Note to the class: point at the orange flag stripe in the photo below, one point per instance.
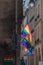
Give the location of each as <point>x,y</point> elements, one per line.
<point>28,28</point>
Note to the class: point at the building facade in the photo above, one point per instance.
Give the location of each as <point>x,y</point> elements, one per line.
<point>24,22</point>
<point>11,15</point>
<point>35,20</point>
<point>19,17</point>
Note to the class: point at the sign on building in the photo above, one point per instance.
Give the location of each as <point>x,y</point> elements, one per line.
<point>8,60</point>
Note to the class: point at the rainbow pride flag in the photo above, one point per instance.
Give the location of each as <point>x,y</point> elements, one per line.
<point>26,30</point>
<point>28,51</point>
<point>8,59</point>
<point>26,43</point>
<point>29,38</point>
<point>27,33</point>
<point>24,33</point>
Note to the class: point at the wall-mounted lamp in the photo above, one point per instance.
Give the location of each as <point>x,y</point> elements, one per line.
<point>32,3</point>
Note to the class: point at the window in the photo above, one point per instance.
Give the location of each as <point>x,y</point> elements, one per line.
<point>33,40</point>
<point>39,56</point>
<point>38,31</point>
<point>35,34</point>
<point>26,62</point>
<point>31,18</point>
<point>36,60</point>
<point>35,19</point>
<point>32,30</point>
<point>36,57</point>
<point>38,51</point>
<point>37,12</point>
<point>38,16</point>
<point>38,9</point>
<point>42,49</point>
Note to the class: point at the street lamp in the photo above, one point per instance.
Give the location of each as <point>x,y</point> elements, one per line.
<point>32,3</point>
